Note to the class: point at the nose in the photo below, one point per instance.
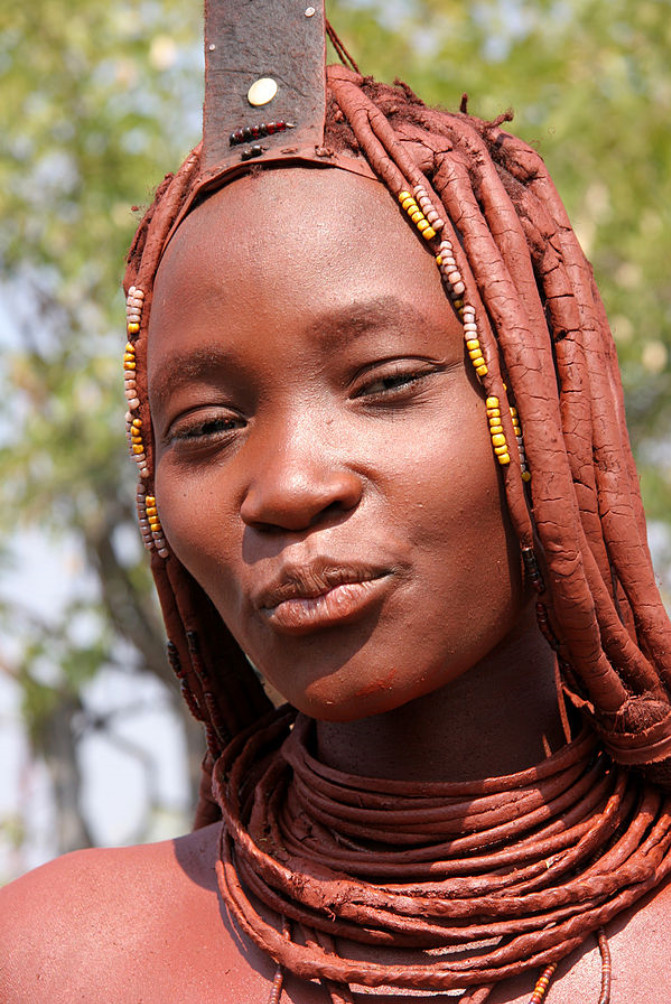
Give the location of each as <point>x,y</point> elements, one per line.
<point>298,481</point>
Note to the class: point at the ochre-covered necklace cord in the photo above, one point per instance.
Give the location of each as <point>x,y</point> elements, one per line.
<point>471,883</point>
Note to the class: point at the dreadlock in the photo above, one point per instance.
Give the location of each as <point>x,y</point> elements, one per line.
<point>547,363</point>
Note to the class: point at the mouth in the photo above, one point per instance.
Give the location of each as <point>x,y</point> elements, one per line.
<point>315,597</point>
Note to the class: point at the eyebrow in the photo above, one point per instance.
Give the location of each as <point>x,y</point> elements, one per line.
<point>347,323</point>
<point>335,328</point>
<point>185,366</point>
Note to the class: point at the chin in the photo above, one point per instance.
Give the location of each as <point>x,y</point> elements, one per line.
<point>333,700</point>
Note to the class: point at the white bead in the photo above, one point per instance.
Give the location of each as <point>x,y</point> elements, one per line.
<point>262,91</point>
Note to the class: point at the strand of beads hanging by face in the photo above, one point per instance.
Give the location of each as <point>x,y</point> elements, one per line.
<point>150,526</point>
<point>423,214</point>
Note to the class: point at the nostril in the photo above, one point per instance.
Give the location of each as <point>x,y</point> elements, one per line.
<point>279,503</point>
<point>332,510</point>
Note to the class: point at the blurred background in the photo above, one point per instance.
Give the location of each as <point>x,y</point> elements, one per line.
<point>97,102</point>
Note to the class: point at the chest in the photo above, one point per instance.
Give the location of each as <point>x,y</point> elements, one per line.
<point>221,966</point>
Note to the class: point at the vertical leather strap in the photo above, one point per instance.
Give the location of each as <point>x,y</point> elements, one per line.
<point>281,43</point>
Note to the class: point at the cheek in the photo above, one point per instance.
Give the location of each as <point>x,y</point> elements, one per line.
<point>200,525</point>
<point>461,533</point>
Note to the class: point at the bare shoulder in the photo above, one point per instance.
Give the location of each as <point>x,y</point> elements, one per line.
<point>115,911</point>
<point>135,924</point>
<point>640,949</point>
<point>638,941</point>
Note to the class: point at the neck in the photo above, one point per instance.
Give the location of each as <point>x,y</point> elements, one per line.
<point>499,717</point>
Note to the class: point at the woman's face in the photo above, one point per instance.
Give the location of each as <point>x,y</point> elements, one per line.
<point>323,463</point>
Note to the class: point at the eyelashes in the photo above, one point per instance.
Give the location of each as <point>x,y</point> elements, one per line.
<point>389,384</point>
<point>206,427</point>
<point>392,384</point>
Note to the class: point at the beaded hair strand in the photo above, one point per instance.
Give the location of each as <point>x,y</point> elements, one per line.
<point>535,332</point>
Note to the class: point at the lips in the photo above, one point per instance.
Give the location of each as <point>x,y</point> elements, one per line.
<point>320,595</point>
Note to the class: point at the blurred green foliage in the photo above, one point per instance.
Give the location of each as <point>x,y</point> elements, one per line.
<point>99,100</point>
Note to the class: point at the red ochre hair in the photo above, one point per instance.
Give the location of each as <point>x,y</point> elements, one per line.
<point>549,353</point>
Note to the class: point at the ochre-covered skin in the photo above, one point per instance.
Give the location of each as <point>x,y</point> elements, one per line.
<point>374,454</point>
<point>318,487</point>
<point>358,445</point>
<point>144,924</point>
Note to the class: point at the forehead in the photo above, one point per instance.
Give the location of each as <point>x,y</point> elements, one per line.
<point>306,231</point>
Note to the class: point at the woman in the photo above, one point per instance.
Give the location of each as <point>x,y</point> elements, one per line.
<point>379,431</point>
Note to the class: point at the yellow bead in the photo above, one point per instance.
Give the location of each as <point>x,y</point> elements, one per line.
<point>137,449</point>
<point>496,430</point>
<point>428,233</point>
<point>500,450</point>
<point>137,422</point>
<point>129,348</point>
<point>416,216</point>
<point>482,370</point>
<point>492,402</point>
<point>127,365</point>
<point>149,499</point>
<point>478,361</point>
<point>409,205</point>
<point>494,412</point>
<point>151,510</point>
<point>133,328</point>
<point>513,411</point>
<point>526,476</point>
<point>439,260</point>
<point>475,353</point>
<point>472,343</point>
<point>504,458</point>
<point>422,226</point>
<point>498,439</point>
<point>402,196</point>
<point>458,303</point>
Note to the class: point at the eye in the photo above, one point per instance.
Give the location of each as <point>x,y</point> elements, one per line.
<point>396,381</point>
<point>204,426</point>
